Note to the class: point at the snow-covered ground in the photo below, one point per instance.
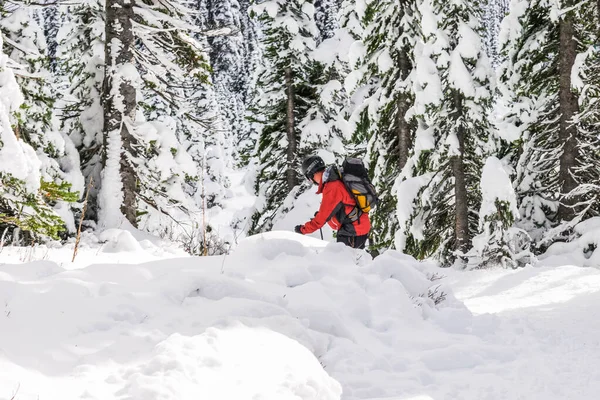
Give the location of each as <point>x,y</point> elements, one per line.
<point>289,317</point>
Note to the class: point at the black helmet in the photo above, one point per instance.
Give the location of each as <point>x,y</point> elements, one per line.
<point>311,165</point>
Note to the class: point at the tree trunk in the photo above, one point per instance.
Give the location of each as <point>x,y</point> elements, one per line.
<point>568,108</point>
<point>460,184</point>
<point>119,104</point>
<point>402,126</point>
<point>598,26</point>
<point>292,179</point>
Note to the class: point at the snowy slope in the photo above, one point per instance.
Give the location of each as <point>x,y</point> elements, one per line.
<point>292,317</point>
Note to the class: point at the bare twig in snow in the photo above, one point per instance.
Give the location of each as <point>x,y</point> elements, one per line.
<point>90,185</point>
<point>14,396</point>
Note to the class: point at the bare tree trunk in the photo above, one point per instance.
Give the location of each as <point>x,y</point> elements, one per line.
<point>460,185</point>
<point>120,97</point>
<point>292,179</point>
<point>568,108</point>
<point>402,126</point>
<point>598,15</point>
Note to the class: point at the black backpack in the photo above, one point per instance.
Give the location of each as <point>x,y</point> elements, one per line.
<point>356,178</point>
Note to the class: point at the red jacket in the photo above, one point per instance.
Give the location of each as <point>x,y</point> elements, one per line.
<point>336,204</point>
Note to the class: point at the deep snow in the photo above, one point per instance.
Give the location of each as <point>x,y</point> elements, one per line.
<point>290,317</point>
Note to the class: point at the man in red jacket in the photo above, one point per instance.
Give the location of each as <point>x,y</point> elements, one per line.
<point>338,206</point>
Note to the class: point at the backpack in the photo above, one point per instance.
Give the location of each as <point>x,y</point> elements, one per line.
<point>356,179</point>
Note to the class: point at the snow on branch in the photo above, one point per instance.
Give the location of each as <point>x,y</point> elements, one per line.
<point>47,3</point>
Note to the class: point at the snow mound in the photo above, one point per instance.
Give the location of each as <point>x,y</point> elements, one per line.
<point>119,241</point>
<point>284,316</point>
<point>224,364</point>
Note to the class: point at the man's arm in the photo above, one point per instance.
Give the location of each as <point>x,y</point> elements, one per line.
<point>329,206</point>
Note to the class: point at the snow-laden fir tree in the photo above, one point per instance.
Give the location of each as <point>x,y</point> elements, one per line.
<point>227,60</point>
<point>24,195</point>
<point>141,119</point>
<point>495,11</point>
<point>553,152</point>
<point>586,80</point>
<point>325,126</point>
<point>246,134</point>
<point>386,71</point>
<point>151,57</point>
<point>351,55</point>
<point>351,14</point>
<point>499,242</point>
<point>180,125</point>
<point>80,73</point>
<point>52,21</point>
<point>36,122</point>
<point>231,58</point>
<point>440,198</point>
<point>285,95</point>
<point>326,17</point>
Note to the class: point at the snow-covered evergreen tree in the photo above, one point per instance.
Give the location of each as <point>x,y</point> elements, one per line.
<point>167,124</point>
<point>351,55</point>
<point>495,12</point>
<point>175,153</point>
<point>553,154</point>
<point>52,21</point>
<point>285,95</point>
<point>36,122</point>
<point>586,80</point>
<point>499,242</point>
<point>325,126</point>
<point>389,39</point>
<point>326,17</point>
<point>80,73</point>
<point>452,101</point>
<point>229,54</point>
<point>246,134</point>
<point>25,197</point>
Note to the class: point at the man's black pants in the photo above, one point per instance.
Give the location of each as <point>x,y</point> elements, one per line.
<point>356,242</point>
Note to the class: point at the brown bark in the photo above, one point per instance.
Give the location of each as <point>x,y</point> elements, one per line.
<point>291,177</point>
<point>119,51</point>
<point>598,15</point>
<point>568,108</point>
<point>460,185</point>
<point>402,127</point>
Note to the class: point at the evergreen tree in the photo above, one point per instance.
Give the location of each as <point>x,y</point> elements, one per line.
<point>246,134</point>
<point>51,24</point>
<point>495,11</point>
<point>351,18</point>
<point>119,176</point>
<point>324,126</point>
<point>351,56</point>
<point>228,54</point>
<point>80,73</point>
<point>452,101</point>
<point>389,39</point>
<point>586,77</point>
<point>180,129</point>
<point>552,151</point>
<point>326,17</point>
<point>162,141</point>
<point>499,242</point>
<point>36,122</point>
<point>146,167</point>
<point>25,198</point>
<point>285,95</point>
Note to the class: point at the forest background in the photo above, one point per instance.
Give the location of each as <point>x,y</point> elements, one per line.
<point>479,121</point>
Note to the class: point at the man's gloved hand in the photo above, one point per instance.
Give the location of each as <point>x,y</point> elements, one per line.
<point>297,229</point>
